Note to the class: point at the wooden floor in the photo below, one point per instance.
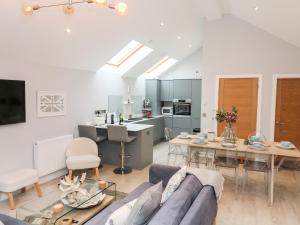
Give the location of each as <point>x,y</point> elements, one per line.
<point>248,207</point>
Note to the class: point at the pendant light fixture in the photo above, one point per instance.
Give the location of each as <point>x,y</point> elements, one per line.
<point>120,8</point>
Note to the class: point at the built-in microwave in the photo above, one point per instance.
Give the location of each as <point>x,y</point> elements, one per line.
<point>182,107</point>
<point>167,111</point>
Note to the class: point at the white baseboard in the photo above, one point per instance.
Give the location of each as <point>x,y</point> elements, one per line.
<point>43,180</point>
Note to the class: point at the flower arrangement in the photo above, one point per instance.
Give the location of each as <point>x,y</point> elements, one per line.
<point>229,135</point>
<point>229,117</point>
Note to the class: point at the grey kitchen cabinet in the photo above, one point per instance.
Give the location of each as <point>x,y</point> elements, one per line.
<point>196,123</point>
<point>184,122</point>
<point>166,87</point>
<point>182,89</point>
<point>168,121</point>
<point>158,131</point>
<point>177,131</point>
<point>196,98</point>
<point>153,92</point>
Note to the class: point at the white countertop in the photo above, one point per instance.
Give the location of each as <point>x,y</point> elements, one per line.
<point>130,127</point>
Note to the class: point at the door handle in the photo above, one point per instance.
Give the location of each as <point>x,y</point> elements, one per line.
<point>279,123</point>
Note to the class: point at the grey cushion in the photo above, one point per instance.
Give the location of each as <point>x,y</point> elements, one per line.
<point>7,220</point>
<point>162,173</point>
<point>101,218</point>
<point>145,206</point>
<point>179,203</point>
<point>204,209</point>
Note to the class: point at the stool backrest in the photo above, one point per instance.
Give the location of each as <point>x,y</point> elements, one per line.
<point>82,146</point>
<point>117,133</point>
<point>88,131</point>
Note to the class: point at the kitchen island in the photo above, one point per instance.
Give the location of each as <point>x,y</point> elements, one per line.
<point>141,149</point>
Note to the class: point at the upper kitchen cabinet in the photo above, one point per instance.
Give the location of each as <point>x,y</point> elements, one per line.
<point>153,92</point>
<point>166,87</point>
<point>182,89</point>
<point>196,98</point>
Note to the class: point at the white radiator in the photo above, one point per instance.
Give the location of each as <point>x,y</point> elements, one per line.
<point>50,154</point>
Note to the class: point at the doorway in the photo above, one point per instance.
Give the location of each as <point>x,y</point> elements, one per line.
<point>287,119</point>
<point>244,94</point>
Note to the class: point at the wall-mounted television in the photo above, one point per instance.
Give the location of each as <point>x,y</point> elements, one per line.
<point>12,102</point>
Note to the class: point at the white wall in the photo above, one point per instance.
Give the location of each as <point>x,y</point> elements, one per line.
<point>85,91</point>
<point>234,47</point>
<point>189,68</point>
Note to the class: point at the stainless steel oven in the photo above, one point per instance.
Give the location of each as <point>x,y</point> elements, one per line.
<point>182,107</point>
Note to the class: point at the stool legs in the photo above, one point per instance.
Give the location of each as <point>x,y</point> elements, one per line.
<point>12,204</point>
<point>123,169</point>
<point>38,189</point>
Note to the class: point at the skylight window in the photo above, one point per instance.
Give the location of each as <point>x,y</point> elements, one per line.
<point>163,65</point>
<point>127,58</point>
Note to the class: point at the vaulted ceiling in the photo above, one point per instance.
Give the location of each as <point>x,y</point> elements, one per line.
<point>98,34</point>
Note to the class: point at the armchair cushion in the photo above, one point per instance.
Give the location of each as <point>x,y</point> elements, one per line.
<point>78,162</point>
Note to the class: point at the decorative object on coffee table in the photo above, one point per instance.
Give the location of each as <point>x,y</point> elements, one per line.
<point>229,134</point>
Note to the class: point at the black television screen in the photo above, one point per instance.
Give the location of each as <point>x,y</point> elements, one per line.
<point>12,102</point>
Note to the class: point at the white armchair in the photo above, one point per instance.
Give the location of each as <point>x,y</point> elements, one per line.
<point>82,153</point>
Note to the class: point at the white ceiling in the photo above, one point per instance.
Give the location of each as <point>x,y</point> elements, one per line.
<point>98,34</point>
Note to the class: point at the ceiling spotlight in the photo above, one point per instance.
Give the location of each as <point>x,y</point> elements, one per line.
<point>162,24</point>
<point>121,9</point>
<point>179,37</point>
<point>256,8</point>
<point>68,30</point>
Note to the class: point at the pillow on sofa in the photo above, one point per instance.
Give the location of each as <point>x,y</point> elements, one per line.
<point>120,216</point>
<point>1,223</point>
<point>145,206</point>
<point>173,184</point>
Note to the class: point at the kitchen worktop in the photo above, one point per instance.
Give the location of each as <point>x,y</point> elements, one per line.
<point>132,127</point>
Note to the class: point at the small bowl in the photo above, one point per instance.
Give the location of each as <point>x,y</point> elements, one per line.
<point>184,134</point>
<point>102,184</point>
<point>285,144</point>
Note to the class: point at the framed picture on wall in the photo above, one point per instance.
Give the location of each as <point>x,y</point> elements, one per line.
<point>51,103</point>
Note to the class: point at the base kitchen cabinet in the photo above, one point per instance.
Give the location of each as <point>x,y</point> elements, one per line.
<point>158,132</point>
<point>168,121</point>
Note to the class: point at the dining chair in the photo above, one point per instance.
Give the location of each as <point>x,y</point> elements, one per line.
<point>174,149</point>
<point>257,163</point>
<point>290,164</point>
<point>228,159</point>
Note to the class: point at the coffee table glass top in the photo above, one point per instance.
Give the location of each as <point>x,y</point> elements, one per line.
<point>39,211</point>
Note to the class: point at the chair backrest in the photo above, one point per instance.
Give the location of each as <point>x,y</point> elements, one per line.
<point>117,133</point>
<point>82,146</point>
<point>88,131</point>
<point>169,134</point>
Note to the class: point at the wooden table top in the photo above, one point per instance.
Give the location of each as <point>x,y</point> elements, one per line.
<point>271,148</point>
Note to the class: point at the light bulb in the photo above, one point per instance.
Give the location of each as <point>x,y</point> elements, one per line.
<point>121,9</point>
<point>28,10</point>
<point>101,3</point>
<point>69,10</point>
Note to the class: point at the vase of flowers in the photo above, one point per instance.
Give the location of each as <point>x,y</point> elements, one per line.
<point>229,135</point>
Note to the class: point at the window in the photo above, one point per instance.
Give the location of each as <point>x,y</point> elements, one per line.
<point>127,58</point>
<point>163,65</point>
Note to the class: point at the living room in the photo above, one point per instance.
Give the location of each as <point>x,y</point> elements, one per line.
<point>152,67</point>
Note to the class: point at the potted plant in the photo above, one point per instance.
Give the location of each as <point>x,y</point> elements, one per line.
<point>229,135</point>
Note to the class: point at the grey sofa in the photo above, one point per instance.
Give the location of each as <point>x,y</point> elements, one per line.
<point>191,204</point>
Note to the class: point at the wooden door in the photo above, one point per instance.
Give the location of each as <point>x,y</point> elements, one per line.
<point>242,93</point>
<point>287,119</point>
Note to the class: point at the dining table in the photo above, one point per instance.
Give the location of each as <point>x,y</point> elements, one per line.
<point>271,149</point>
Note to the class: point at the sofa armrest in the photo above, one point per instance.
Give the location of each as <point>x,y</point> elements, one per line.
<point>163,173</point>
<point>7,220</point>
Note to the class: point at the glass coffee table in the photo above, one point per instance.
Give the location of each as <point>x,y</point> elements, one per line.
<point>40,211</point>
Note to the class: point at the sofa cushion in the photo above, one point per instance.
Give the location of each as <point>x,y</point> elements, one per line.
<point>204,209</point>
<point>119,216</point>
<point>102,217</point>
<point>7,220</point>
<point>173,184</point>
<point>1,223</point>
<point>158,173</point>
<point>145,206</point>
<point>173,211</point>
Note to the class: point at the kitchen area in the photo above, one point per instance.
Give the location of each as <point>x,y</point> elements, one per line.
<point>174,104</point>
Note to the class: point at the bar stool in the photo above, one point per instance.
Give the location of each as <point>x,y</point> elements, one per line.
<point>90,132</point>
<point>119,133</point>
